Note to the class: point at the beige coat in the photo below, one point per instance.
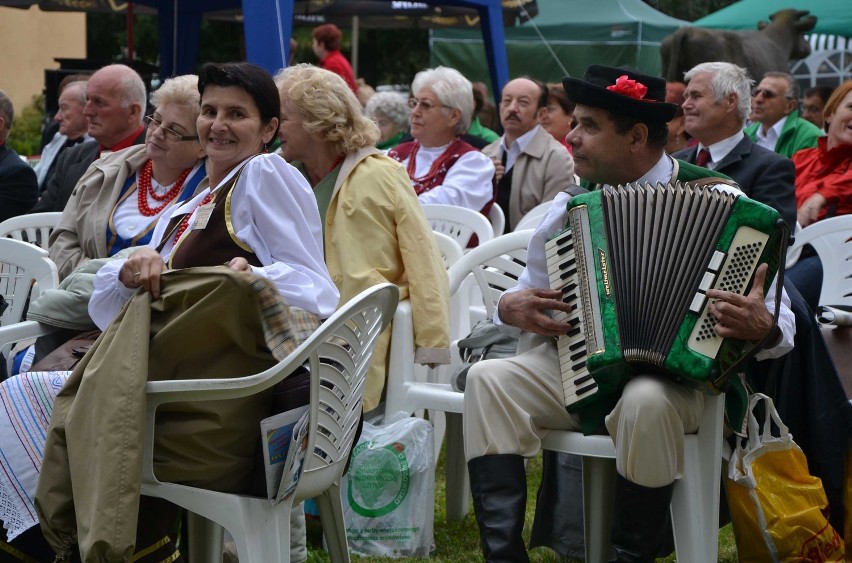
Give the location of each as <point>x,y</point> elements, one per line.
<point>543,169</point>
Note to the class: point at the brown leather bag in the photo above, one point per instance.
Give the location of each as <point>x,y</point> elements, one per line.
<point>67,355</point>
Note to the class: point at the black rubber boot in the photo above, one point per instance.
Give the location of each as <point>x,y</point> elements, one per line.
<point>639,520</point>
<point>498,484</point>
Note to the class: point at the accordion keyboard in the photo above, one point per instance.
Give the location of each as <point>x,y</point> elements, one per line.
<point>566,264</point>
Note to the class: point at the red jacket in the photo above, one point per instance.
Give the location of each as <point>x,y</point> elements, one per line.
<point>337,63</point>
<point>828,172</point>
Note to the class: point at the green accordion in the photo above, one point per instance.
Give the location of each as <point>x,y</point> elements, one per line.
<point>635,263</point>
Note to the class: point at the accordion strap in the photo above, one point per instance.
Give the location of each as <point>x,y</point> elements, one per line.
<point>712,181</point>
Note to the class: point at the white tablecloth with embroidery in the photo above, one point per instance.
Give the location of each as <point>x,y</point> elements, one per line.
<point>27,401</point>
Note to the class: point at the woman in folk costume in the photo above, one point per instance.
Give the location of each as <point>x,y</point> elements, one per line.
<point>442,167</point>
<point>194,317</point>
<point>374,228</point>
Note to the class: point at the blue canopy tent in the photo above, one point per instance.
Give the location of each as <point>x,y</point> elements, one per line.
<point>269,23</point>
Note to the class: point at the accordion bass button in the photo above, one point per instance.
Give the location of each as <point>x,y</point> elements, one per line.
<point>698,303</point>
<point>716,261</point>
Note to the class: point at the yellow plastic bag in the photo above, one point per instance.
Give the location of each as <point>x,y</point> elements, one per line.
<point>777,507</point>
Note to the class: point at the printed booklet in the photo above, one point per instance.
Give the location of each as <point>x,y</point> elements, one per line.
<point>285,440</point>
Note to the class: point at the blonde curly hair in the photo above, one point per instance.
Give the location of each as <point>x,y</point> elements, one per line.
<point>328,107</point>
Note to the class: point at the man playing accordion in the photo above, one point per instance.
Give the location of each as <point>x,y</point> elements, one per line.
<point>619,137</point>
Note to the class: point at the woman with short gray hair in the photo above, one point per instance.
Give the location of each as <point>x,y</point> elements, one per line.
<point>390,112</point>
<point>442,167</point>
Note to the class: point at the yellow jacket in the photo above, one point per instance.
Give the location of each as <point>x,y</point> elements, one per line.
<point>376,232</point>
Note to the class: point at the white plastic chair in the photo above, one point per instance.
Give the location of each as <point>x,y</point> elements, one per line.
<point>494,267</point>
<point>534,216</point>
<point>695,501</point>
<point>25,271</point>
<point>450,250</point>
<point>337,355</point>
<point>459,223</point>
<point>832,240</point>
<point>497,219</point>
<point>34,228</point>
<point>18,332</point>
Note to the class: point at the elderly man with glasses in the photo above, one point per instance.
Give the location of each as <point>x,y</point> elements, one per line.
<point>775,116</point>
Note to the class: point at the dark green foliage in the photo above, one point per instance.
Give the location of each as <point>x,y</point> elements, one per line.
<point>25,137</point>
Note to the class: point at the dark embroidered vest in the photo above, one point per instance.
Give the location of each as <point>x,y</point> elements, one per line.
<point>403,151</point>
<point>217,243</point>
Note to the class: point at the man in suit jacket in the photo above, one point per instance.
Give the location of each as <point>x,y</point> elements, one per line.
<point>18,186</point>
<point>532,167</point>
<point>115,106</point>
<point>73,129</point>
<point>717,103</point>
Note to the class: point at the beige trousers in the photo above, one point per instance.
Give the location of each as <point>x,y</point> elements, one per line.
<point>510,405</point>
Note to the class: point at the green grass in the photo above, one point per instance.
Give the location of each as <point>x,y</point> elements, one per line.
<point>458,542</point>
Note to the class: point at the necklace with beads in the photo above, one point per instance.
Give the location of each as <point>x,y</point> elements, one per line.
<point>436,166</point>
<point>146,187</point>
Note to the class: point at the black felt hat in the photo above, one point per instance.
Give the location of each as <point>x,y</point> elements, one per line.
<point>621,91</point>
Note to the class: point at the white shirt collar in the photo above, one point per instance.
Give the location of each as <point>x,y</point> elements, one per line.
<point>660,173</point>
<point>721,149</point>
<point>514,151</point>
<point>769,139</point>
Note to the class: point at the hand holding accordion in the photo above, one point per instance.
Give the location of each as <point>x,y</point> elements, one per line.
<point>641,267</point>
<point>742,316</point>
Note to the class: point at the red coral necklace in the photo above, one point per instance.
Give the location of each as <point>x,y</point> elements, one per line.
<point>146,187</point>
<point>436,166</point>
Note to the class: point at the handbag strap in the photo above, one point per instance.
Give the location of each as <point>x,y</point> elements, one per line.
<point>764,430</point>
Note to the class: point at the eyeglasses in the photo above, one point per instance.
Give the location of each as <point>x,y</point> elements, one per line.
<point>425,105</point>
<point>768,94</point>
<point>170,134</point>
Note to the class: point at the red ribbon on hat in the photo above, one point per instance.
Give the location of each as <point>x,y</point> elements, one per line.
<point>628,87</point>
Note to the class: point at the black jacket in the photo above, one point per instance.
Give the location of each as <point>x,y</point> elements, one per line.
<point>763,175</point>
<point>18,184</point>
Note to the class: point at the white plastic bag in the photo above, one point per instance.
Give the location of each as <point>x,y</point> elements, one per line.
<point>389,491</point>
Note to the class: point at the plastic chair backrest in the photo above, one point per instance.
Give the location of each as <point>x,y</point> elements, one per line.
<point>494,266</point>
<point>533,216</point>
<point>459,223</point>
<point>25,272</point>
<point>497,219</point>
<point>450,250</point>
<point>832,240</point>
<point>34,228</point>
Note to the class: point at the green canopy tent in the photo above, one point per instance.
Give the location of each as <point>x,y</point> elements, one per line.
<point>576,32</point>
<point>834,17</point>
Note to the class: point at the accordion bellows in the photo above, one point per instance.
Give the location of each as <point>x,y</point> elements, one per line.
<point>636,261</point>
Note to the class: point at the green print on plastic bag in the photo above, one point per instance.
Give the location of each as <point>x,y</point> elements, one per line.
<point>378,479</point>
